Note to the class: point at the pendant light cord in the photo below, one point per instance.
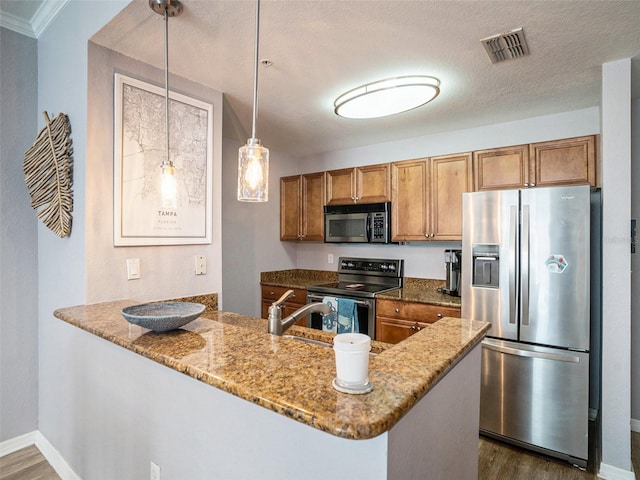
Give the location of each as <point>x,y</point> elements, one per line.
<point>255,71</point>
<point>166,83</point>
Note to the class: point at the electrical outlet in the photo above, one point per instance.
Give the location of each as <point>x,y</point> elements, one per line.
<point>201,265</point>
<point>154,472</point>
<point>133,268</point>
<point>330,258</point>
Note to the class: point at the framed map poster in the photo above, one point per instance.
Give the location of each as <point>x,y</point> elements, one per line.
<point>139,148</point>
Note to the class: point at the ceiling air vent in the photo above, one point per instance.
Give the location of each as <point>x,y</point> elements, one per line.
<point>505,46</point>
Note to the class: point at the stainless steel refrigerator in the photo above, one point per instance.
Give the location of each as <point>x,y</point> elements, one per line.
<point>526,269</point>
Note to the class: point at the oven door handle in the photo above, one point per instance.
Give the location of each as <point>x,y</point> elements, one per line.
<point>320,297</point>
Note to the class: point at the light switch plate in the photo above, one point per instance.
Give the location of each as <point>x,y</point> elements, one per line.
<point>201,265</point>
<point>133,268</point>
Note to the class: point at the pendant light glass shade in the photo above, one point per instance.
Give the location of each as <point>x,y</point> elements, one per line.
<point>387,97</point>
<point>168,186</point>
<point>253,172</point>
<point>253,158</point>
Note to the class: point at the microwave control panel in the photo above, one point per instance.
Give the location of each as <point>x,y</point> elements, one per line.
<point>379,227</point>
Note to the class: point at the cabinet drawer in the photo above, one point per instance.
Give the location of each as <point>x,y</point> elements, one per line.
<point>418,312</point>
<point>272,293</point>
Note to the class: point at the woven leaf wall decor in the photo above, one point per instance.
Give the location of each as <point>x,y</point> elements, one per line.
<point>48,170</point>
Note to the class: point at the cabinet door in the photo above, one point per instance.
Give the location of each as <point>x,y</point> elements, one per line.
<point>564,162</point>
<point>501,168</point>
<point>313,207</point>
<point>341,187</point>
<point>373,184</point>
<point>450,178</point>
<point>391,330</point>
<point>290,212</point>
<point>409,214</point>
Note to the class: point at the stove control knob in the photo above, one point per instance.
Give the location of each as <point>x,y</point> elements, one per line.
<point>384,266</point>
<point>392,267</point>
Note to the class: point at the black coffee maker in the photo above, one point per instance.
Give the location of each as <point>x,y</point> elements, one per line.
<point>453,263</point>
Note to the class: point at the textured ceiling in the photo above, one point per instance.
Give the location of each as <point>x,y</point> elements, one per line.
<point>321,48</point>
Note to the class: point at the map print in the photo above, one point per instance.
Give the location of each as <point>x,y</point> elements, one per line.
<point>142,143</point>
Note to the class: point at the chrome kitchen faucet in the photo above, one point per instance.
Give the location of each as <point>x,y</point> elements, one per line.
<point>279,325</point>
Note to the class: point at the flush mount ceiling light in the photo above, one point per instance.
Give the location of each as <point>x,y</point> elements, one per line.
<point>168,183</point>
<point>253,158</point>
<point>387,97</point>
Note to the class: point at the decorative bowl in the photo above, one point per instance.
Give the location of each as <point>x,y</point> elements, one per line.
<point>162,316</point>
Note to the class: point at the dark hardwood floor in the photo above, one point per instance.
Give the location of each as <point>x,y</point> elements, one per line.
<point>497,461</point>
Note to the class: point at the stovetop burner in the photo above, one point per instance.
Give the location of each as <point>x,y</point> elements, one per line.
<point>362,277</point>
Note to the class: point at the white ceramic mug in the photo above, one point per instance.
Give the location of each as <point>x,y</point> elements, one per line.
<point>352,359</point>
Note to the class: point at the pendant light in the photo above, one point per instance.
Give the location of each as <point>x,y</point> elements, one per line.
<point>253,158</point>
<point>168,182</point>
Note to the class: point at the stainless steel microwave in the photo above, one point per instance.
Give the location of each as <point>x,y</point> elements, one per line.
<point>359,223</point>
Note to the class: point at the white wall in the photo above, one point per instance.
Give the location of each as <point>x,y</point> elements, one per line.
<point>18,239</point>
<point>427,259</point>
<point>616,263</point>
<point>166,271</point>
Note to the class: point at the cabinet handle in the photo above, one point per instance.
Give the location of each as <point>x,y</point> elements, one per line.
<point>533,184</point>
<point>526,184</point>
<point>426,235</point>
<point>272,293</point>
<point>397,310</point>
<point>439,315</point>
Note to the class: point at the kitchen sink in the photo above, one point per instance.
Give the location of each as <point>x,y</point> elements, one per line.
<point>309,340</point>
<point>318,342</point>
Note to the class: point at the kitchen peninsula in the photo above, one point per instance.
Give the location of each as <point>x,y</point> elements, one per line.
<point>420,420</point>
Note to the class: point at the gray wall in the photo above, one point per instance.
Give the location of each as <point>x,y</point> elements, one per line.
<point>18,239</point>
<point>166,271</point>
<point>635,264</point>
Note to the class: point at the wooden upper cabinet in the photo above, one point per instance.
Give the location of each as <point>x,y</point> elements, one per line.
<point>427,198</point>
<point>501,168</point>
<point>409,200</point>
<point>450,178</point>
<point>370,184</point>
<point>290,207</point>
<point>341,186</point>
<point>373,183</point>
<point>564,162</point>
<point>571,161</point>
<point>302,207</point>
<point>312,221</point>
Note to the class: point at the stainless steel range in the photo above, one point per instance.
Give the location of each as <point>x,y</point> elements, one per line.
<point>359,279</point>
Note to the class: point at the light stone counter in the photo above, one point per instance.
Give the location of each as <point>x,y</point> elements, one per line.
<point>234,353</point>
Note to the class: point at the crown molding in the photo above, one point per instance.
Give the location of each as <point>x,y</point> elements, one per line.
<point>38,23</point>
<point>45,15</point>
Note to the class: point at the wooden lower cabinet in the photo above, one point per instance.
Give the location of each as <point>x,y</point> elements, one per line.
<point>397,320</point>
<point>271,293</point>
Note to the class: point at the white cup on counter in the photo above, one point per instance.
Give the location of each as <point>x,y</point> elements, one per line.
<point>352,362</point>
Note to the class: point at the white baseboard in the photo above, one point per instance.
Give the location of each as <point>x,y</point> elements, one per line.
<point>18,443</point>
<point>59,464</point>
<point>635,425</point>
<point>608,472</point>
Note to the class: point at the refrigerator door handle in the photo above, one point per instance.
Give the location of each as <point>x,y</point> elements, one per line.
<point>513,263</point>
<point>524,269</point>
<point>530,354</point>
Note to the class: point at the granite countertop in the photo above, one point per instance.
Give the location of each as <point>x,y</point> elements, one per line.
<point>297,278</point>
<point>235,353</point>
<point>420,290</point>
